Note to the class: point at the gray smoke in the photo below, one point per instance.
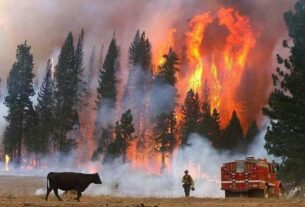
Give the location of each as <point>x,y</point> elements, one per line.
<point>162,98</point>
<point>119,179</point>
<point>48,23</point>
<point>45,24</point>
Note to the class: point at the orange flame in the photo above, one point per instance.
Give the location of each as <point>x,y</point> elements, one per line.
<point>222,68</point>
<point>238,44</point>
<point>222,71</point>
<point>194,40</point>
<point>163,48</point>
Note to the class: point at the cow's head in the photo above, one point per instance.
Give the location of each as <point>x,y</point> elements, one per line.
<point>96,179</point>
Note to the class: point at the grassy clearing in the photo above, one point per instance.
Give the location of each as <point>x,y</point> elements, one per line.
<point>106,201</point>
<point>19,191</point>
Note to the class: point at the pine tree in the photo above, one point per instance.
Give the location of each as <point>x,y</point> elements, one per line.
<point>286,108</point>
<point>124,130</point>
<point>164,131</point>
<point>190,115</point>
<point>91,68</point>
<point>39,136</point>
<point>206,121</point>
<point>139,59</point>
<point>233,134</point>
<point>168,70</point>
<point>65,101</point>
<point>138,83</point>
<point>79,68</point>
<point>107,92</point>
<point>140,51</point>
<point>107,88</point>
<point>20,108</point>
<point>164,136</point>
<point>214,133</point>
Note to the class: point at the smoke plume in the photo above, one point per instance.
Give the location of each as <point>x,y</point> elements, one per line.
<point>199,157</point>
<point>45,24</point>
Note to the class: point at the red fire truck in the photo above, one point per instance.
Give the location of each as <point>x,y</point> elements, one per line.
<point>250,177</point>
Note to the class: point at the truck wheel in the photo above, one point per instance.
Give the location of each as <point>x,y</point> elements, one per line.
<point>228,194</point>
<point>266,192</point>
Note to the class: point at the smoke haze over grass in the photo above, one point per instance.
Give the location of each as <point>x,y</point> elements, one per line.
<point>119,179</point>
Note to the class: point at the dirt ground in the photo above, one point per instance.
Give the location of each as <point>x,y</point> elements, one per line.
<point>20,191</point>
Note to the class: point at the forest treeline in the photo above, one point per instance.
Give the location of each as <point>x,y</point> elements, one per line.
<point>52,123</point>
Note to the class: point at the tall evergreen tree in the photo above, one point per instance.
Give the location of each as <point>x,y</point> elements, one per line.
<point>139,59</point>
<point>214,132</point>
<point>79,68</point>
<point>164,131</point>
<point>138,83</point>
<point>233,134</point>
<point>124,130</point>
<point>39,136</point>
<point>285,137</point>
<point>205,124</point>
<point>190,115</point>
<point>107,88</point>
<point>168,70</point>
<point>140,51</point>
<point>20,108</point>
<point>65,93</point>
<point>107,93</point>
<point>91,68</point>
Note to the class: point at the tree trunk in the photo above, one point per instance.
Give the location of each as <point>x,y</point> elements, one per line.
<point>36,160</point>
<point>124,157</point>
<point>163,166</point>
<point>18,158</point>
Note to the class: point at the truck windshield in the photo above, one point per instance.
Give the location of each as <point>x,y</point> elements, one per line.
<point>240,166</point>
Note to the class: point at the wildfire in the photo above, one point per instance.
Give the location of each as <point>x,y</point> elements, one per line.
<point>194,40</point>
<point>216,87</point>
<point>240,40</point>
<point>163,48</point>
<point>220,63</point>
<point>222,69</point>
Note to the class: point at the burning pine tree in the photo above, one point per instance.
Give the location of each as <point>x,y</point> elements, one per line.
<point>189,88</point>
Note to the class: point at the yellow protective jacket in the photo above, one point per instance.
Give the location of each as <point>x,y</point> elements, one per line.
<point>188,180</point>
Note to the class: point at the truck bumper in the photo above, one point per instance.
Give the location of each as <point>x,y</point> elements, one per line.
<point>240,186</point>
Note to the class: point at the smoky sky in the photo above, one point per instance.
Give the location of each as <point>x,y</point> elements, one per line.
<point>45,24</point>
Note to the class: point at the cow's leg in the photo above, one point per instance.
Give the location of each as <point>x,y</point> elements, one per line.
<point>79,194</point>
<point>56,193</point>
<point>48,192</point>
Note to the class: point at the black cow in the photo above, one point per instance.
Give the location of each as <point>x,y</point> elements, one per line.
<point>70,181</point>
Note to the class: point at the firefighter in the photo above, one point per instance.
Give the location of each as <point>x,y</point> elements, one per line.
<point>188,183</point>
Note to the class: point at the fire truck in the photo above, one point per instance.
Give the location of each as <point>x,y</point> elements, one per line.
<point>250,177</point>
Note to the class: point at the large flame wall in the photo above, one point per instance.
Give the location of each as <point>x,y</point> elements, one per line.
<point>221,60</point>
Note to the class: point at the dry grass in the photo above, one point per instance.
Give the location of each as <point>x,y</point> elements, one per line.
<point>18,191</point>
